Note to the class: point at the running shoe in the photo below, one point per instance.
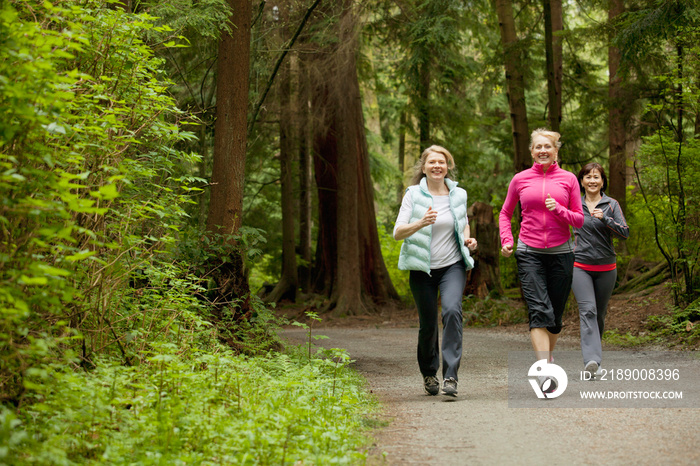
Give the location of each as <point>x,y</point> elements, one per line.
<point>431,385</point>
<point>449,387</point>
<point>591,368</point>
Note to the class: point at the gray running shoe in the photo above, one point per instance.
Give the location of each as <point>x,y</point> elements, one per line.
<point>591,367</point>
<point>449,387</point>
<point>431,385</point>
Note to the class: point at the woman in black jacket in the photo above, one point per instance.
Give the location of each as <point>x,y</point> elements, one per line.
<point>595,268</point>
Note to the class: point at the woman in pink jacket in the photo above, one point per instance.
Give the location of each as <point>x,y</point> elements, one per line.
<point>550,203</point>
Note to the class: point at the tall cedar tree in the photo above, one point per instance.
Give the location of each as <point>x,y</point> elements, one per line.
<point>230,143</point>
<point>287,286</point>
<point>617,133</point>
<point>349,265</point>
<point>515,84</point>
<point>553,25</point>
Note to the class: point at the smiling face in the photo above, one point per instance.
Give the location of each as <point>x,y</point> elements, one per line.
<point>435,167</point>
<point>592,182</point>
<point>543,150</point>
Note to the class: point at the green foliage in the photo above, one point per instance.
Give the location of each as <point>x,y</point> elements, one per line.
<point>627,340</point>
<point>492,311</point>
<point>667,164</point>
<point>391,250</point>
<point>183,405</point>
<point>108,350</point>
<point>91,193</point>
<point>205,18</point>
<point>679,328</point>
<point>313,317</point>
<point>669,193</point>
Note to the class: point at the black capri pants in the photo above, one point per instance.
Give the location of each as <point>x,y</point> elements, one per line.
<point>545,280</point>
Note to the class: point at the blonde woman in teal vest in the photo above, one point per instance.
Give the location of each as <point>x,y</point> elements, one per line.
<point>436,249</point>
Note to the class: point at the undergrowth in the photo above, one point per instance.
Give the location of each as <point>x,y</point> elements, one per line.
<point>111,345</point>
<point>492,311</point>
<point>681,328</point>
<point>194,404</point>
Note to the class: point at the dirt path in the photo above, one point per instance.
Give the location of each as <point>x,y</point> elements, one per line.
<point>479,427</point>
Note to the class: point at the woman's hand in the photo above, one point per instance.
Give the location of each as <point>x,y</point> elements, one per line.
<point>404,231</point>
<point>507,250</point>
<point>430,217</point>
<point>597,213</point>
<point>550,203</point>
<point>471,244</point>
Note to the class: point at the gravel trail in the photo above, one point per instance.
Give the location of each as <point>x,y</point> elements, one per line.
<point>479,427</point>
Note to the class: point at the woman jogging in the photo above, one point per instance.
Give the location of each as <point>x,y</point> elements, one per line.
<point>434,226</point>
<point>595,268</point>
<point>550,201</point>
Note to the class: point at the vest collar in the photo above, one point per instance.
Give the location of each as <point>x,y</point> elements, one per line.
<point>451,185</point>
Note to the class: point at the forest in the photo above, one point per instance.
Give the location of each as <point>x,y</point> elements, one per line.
<point>172,172</point>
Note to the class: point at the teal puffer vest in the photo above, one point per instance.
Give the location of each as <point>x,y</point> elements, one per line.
<point>415,250</point>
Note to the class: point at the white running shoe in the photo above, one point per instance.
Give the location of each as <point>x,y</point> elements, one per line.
<point>591,368</point>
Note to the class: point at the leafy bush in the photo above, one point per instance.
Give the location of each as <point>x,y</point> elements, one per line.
<point>667,165</point>
<point>191,406</point>
<point>91,194</point>
<point>680,327</point>
<point>390,252</point>
<point>106,348</point>
<point>669,196</point>
<point>492,311</point>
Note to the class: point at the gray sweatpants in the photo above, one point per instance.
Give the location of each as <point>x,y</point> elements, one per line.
<point>593,291</point>
<point>449,282</point>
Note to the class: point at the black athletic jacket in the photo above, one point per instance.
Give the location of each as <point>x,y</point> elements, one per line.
<point>593,243</point>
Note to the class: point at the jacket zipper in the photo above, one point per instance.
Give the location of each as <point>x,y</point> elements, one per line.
<point>544,214</point>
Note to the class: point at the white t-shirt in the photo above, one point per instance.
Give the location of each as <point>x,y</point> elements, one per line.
<point>444,249</point>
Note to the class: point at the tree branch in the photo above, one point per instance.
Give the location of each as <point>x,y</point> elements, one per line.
<point>284,53</point>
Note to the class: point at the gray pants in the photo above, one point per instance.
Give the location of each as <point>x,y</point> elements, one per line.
<point>593,291</point>
<point>449,281</point>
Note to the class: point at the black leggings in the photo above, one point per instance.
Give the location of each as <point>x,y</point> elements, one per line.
<point>545,280</point>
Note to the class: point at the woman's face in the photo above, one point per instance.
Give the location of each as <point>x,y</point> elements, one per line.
<point>543,150</point>
<point>435,167</point>
<point>592,182</point>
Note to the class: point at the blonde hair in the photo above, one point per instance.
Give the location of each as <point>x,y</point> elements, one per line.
<point>551,135</point>
<point>418,167</point>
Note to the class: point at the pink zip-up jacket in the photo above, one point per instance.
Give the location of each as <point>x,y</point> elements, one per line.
<point>540,227</point>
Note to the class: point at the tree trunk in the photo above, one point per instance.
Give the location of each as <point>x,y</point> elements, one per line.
<point>286,287</point>
<point>305,179</point>
<point>349,264</point>
<point>402,158</point>
<point>347,291</point>
<point>617,134</point>
<point>204,130</point>
<point>485,276</point>
<point>228,173</point>
<point>553,25</point>
<point>424,106</point>
<point>202,168</point>
<point>325,156</point>
<point>515,85</point>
